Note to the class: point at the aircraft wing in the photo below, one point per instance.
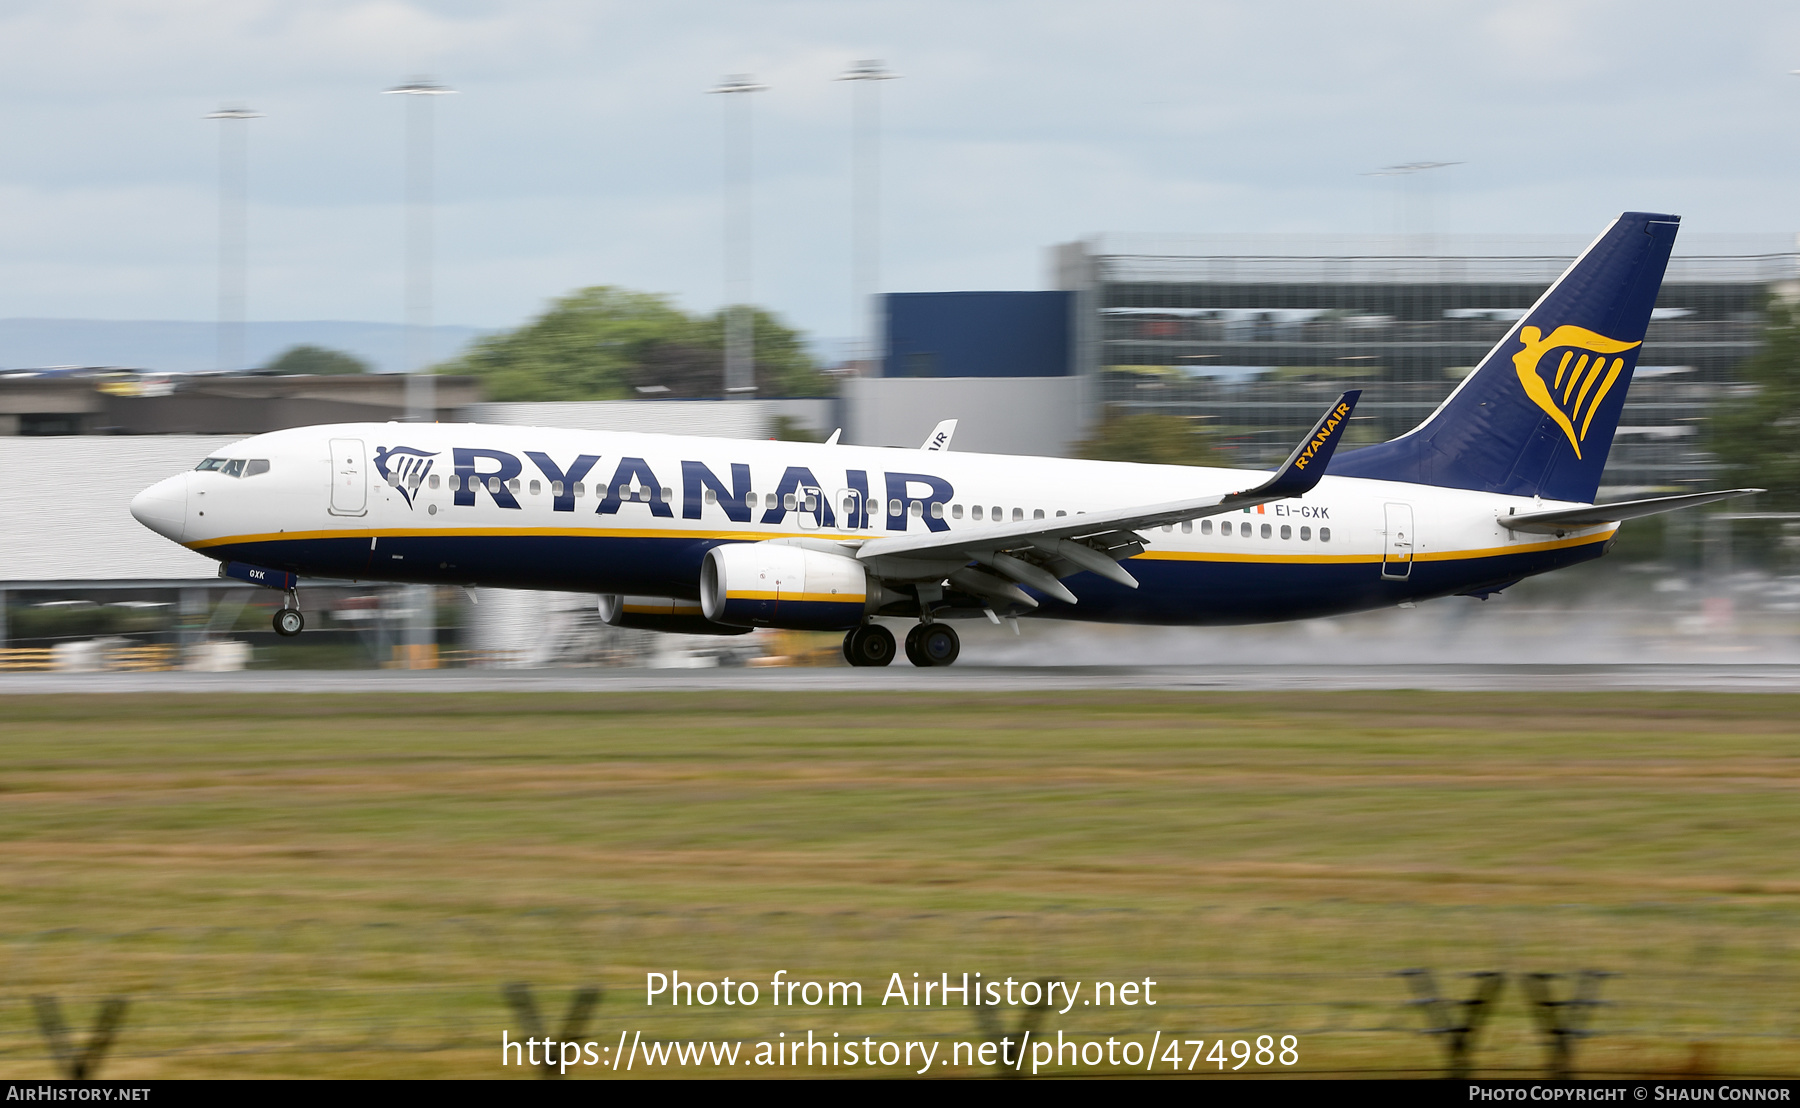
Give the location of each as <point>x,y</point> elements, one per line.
<point>1594,515</point>
<point>1037,552</point>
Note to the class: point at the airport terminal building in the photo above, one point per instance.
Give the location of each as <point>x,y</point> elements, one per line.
<point>1254,334</point>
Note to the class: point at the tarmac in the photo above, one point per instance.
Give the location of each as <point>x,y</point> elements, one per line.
<point>1740,678</point>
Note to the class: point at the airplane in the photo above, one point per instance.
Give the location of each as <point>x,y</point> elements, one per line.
<point>719,536</point>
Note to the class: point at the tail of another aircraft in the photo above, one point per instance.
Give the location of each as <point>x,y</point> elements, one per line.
<point>1536,417</point>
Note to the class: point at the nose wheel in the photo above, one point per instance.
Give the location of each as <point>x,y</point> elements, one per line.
<point>869,645</point>
<point>289,622</point>
<point>932,644</point>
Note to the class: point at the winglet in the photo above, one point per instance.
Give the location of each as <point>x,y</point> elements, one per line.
<point>1307,463</point>
<point>939,439</point>
<point>832,441</point>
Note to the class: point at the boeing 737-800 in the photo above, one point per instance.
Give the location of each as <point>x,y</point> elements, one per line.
<point>689,534</point>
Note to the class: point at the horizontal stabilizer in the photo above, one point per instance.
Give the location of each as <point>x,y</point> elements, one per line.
<point>1573,519</point>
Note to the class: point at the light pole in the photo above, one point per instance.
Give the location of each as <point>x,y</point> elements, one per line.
<point>421,401</point>
<point>740,340</point>
<point>865,204</point>
<point>421,389</point>
<point>234,172</point>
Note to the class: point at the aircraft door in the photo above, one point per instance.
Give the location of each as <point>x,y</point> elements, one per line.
<point>349,478</point>
<point>1398,543</point>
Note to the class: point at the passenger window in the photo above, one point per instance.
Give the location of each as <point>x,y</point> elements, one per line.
<point>1324,534</point>
<point>1225,527</point>
<point>668,494</point>
<point>790,502</point>
<point>1286,531</point>
<point>556,488</point>
<point>708,496</point>
<point>812,502</point>
<point>210,463</point>
<point>937,510</point>
<point>1060,513</point>
<point>1265,530</point>
<point>234,468</point>
<point>1168,528</point>
<point>975,512</point>
<point>769,502</point>
<point>493,484</point>
<point>433,481</point>
<point>580,489</point>
<point>1018,514</point>
<point>1187,526</point>
<point>412,479</point>
<point>750,500</point>
<point>1306,534</point>
<point>513,485</point>
<point>536,488</point>
<point>1039,514</point>
<point>956,511</point>
<point>999,514</point>
<point>895,507</point>
<point>918,509</point>
<point>1206,527</point>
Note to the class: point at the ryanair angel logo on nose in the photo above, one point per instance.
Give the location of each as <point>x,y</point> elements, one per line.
<point>1569,389</point>
<point>403,468</point>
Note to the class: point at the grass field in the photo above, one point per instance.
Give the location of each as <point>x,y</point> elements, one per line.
<point>341,886</point>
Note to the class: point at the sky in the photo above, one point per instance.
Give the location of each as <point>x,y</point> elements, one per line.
<point>581,148</point>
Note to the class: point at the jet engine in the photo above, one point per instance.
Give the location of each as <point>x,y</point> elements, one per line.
<point>768,584</point>
<point>660,613</point>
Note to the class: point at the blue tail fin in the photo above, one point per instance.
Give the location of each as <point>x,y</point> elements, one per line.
<point>1537,416</point>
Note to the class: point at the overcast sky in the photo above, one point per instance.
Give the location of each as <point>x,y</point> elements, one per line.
<point>582,150</point>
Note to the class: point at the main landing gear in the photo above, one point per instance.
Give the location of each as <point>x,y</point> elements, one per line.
<point>289,622</point>
<point>869,645</point>
<point>932,644</point>
<point>928,644</point>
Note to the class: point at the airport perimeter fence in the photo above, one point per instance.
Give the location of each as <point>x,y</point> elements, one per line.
<point>315,999</point>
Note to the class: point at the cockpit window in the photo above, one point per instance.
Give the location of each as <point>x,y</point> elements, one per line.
<point>235,467</point>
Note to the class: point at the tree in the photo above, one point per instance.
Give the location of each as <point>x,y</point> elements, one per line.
<point>1150,437</point>
<point>606,343</point>
<point>316,361</point>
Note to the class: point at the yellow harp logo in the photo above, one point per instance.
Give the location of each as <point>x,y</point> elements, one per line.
<point>1582,376</point>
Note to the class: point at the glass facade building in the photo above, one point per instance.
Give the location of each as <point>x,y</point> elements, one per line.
<point>1252,335</point>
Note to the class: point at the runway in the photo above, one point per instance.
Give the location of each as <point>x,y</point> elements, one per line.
<point>1446,678</point>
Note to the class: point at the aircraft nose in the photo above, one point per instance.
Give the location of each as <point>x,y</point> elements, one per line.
<point>163,507</point>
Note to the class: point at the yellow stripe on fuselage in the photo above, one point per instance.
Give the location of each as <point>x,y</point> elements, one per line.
<point>791,597</point>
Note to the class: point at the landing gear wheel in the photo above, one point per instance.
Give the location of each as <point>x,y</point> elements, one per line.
<point>869,645</point>
<point>289,622</point>
<point>932,644</point>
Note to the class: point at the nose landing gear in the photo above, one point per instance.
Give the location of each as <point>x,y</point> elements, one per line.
<point>288,621</point>
<point>932,644</point>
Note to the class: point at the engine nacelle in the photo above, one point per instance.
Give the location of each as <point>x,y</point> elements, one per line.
<point>660,613</point>
<point>765,584</point>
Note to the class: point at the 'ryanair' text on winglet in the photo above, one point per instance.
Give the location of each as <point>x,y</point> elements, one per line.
<point>1307,463</point>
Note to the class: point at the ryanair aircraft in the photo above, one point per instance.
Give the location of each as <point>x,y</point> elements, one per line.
<point>721,536</point>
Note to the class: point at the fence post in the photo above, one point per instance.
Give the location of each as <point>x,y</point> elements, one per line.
<point>1561,1022</point>
<point>82,1064</point>
<point>1458,1021</point>
<point>581,1008</point>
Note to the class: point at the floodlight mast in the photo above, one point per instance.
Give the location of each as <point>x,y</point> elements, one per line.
<point>234,264</point>
<point>421,389</point>
<point>740,338</point>
<point>865,205</point>
<point>421,400</point>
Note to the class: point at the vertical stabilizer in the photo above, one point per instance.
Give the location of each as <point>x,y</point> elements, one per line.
<point>1536,417</point>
